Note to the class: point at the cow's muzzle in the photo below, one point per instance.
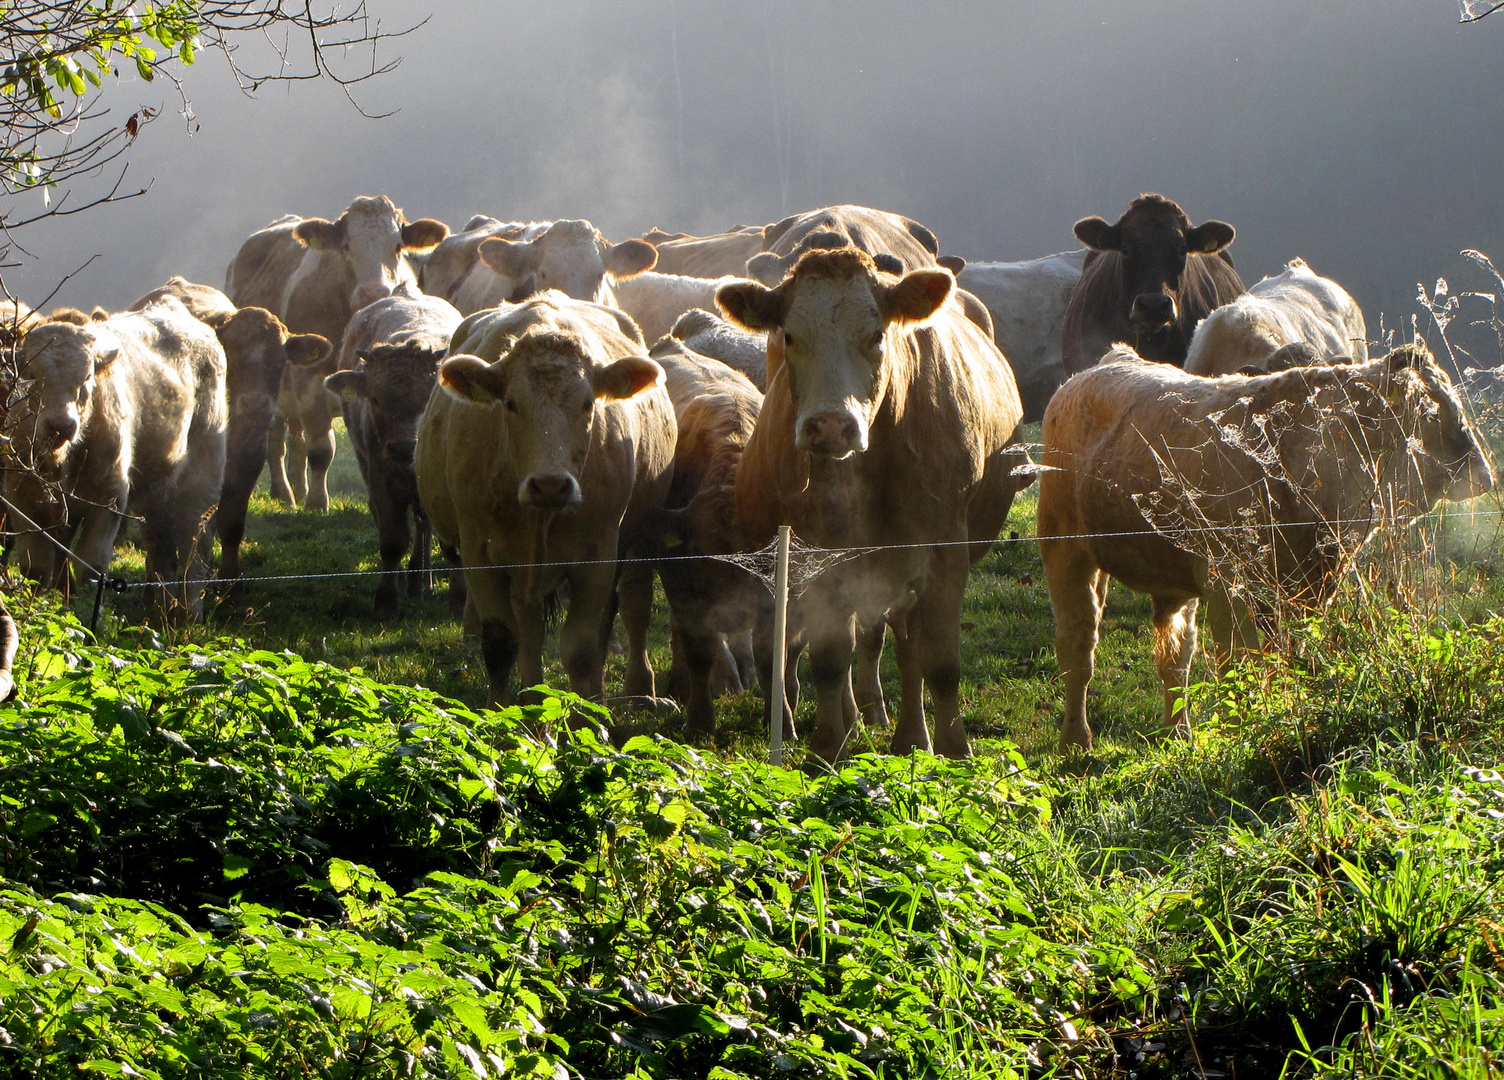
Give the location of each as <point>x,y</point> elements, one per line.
<point>401,451</point>
<point>549,492</point>
<point>832,434</point>
<point>58,431</point>
<point>1152,310</point>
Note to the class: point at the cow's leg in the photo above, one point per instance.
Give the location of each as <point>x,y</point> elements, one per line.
<point>740,644</point>
<point>635,589</point>
<point>158,535</point>
<point>394,540</point>
<point>869,683</point>
<point>724,676</point>
<point>699,648</point>
<point>97,528</point>
<point>490,594</point>
<point>939,647</point>
<point>911,733</point>
<point>690,678</point>
<point>242,469</point>
<point>1078,593</point>
<point>1230,625</point>
<point>318,438</point>
<point>278,444</point>
<point>580,645</point>
<point>198,489</point>
<point>1174,648</point>
<point>831,641</point>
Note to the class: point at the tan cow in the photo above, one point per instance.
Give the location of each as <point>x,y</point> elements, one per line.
<point>541,457</point>
<point>1295,307</point>
<point>1155,476</point>
<point>710,602</point>
<point>710,256</point>
<point>877,232</point>
<point>389,364</point>
<point>313,274</point>
<point>450,263</point>
<point>126,414</point>
<point>570,256</point>
<point>886,424</point>
<point>708,334</point>
<point>258,349</point>
<point>655,301</point>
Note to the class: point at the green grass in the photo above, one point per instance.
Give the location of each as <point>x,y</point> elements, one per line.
<point>1309,888</point>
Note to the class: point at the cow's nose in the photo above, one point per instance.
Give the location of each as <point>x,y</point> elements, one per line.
<point>369,294</point>
<point>1152,309</point>
<point>832,434</point>
<point>58,431</point>
<point>550,492</point>
<point>401,451</point>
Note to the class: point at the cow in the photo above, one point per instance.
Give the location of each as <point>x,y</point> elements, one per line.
<point>450,263</point>
<point>908,244</point>
<point>10,643</point>
<point>1176,484</point>
<point>710,602</point>
<point>887,423</point>
<point>1296,307</point>
<point>313,274</point>
<point>710,256</point>
<point>124,415</point>
<point>655,301</point>
<point>1027,302</point>
<point>258,350</point>
<point>15,319</point>
<point>707,334</point>
<point>388,368</point>
<point>570,256</point>
<point>1148,281</point>
<point>542,456</point>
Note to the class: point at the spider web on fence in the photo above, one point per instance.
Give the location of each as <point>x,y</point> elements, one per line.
<point>1473,10</point>
<point>805,563</point>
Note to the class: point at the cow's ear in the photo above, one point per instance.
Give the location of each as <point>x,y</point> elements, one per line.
<point>471,379</point>
<point>627,377</point>
<point>954,263</point>
<point>916,296</point>
<point>769,268</point>
<point>1096,234</point>
<point>348,385</point>
<point>1408,356</point>
<point>106,358</point>
<point>888,264</point>
<point>751,304</point>
<point>306,350</point>
<point>318,233</point>
<point>424,233</point>
<point>669,527</point>
<point>1209,237</point>
<point>514,258</point>
<point>630,257</point>
<point>99,314</point>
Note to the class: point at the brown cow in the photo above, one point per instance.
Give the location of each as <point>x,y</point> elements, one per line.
<point>710,601</point>
<point>544,454</point>
<point>389,365</point>
<point>1153,476</point>
<point>258,349</point>
<point>314,274</point>
<point>124,414</point>
<point>710,256</point>
<point>886,424</point>
<point>1148,280</point>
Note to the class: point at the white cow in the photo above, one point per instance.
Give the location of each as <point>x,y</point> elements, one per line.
<point>570,256</point>
<point>1027,302</point>
<point>655,301</point>
<point>1295,306</point>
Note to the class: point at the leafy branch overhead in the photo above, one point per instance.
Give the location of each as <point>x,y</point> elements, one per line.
<point>58,61</point>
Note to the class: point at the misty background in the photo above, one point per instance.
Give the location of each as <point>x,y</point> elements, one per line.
<point>1365,136</point>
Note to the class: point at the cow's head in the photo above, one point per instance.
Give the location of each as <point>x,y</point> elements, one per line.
<point>1453,462</point>
<point>836,318</point>
<point>64,360</point>
<point>547,389</point>
<point>258,349</point>
<point>397,381</point>
<point>371,235</point>
<point>1153,238</point>
<point>571,256</point>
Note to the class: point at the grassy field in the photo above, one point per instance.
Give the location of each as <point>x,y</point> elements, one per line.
<point>1308,889</point>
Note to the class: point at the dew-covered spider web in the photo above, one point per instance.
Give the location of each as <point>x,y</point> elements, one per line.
<point>805,563</point>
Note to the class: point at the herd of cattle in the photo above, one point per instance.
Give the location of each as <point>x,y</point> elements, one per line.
<point>569,417</point>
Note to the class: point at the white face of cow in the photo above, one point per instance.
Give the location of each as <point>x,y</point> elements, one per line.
<point>64,360</point>
<point>547,390</point>
<point>837,320</point>
<point>1451,445</point>
<point>571,257</point>
<point>373,237</point>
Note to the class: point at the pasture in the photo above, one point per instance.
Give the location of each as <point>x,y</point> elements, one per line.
<point>310,865</point>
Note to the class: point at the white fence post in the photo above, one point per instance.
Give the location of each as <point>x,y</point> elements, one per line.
<point>780,646</point>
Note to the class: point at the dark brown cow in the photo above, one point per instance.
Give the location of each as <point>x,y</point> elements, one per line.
<point>1148,281</point>
<point>258,349</point>
<point>886,424</point>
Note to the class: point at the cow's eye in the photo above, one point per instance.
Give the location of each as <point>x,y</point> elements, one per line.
<point>510,404</point>
<point>875,341</point>
<point>589,404</point>
<point>788,339</point>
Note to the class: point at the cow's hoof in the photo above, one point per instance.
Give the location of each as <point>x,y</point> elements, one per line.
<point>875,714</point>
